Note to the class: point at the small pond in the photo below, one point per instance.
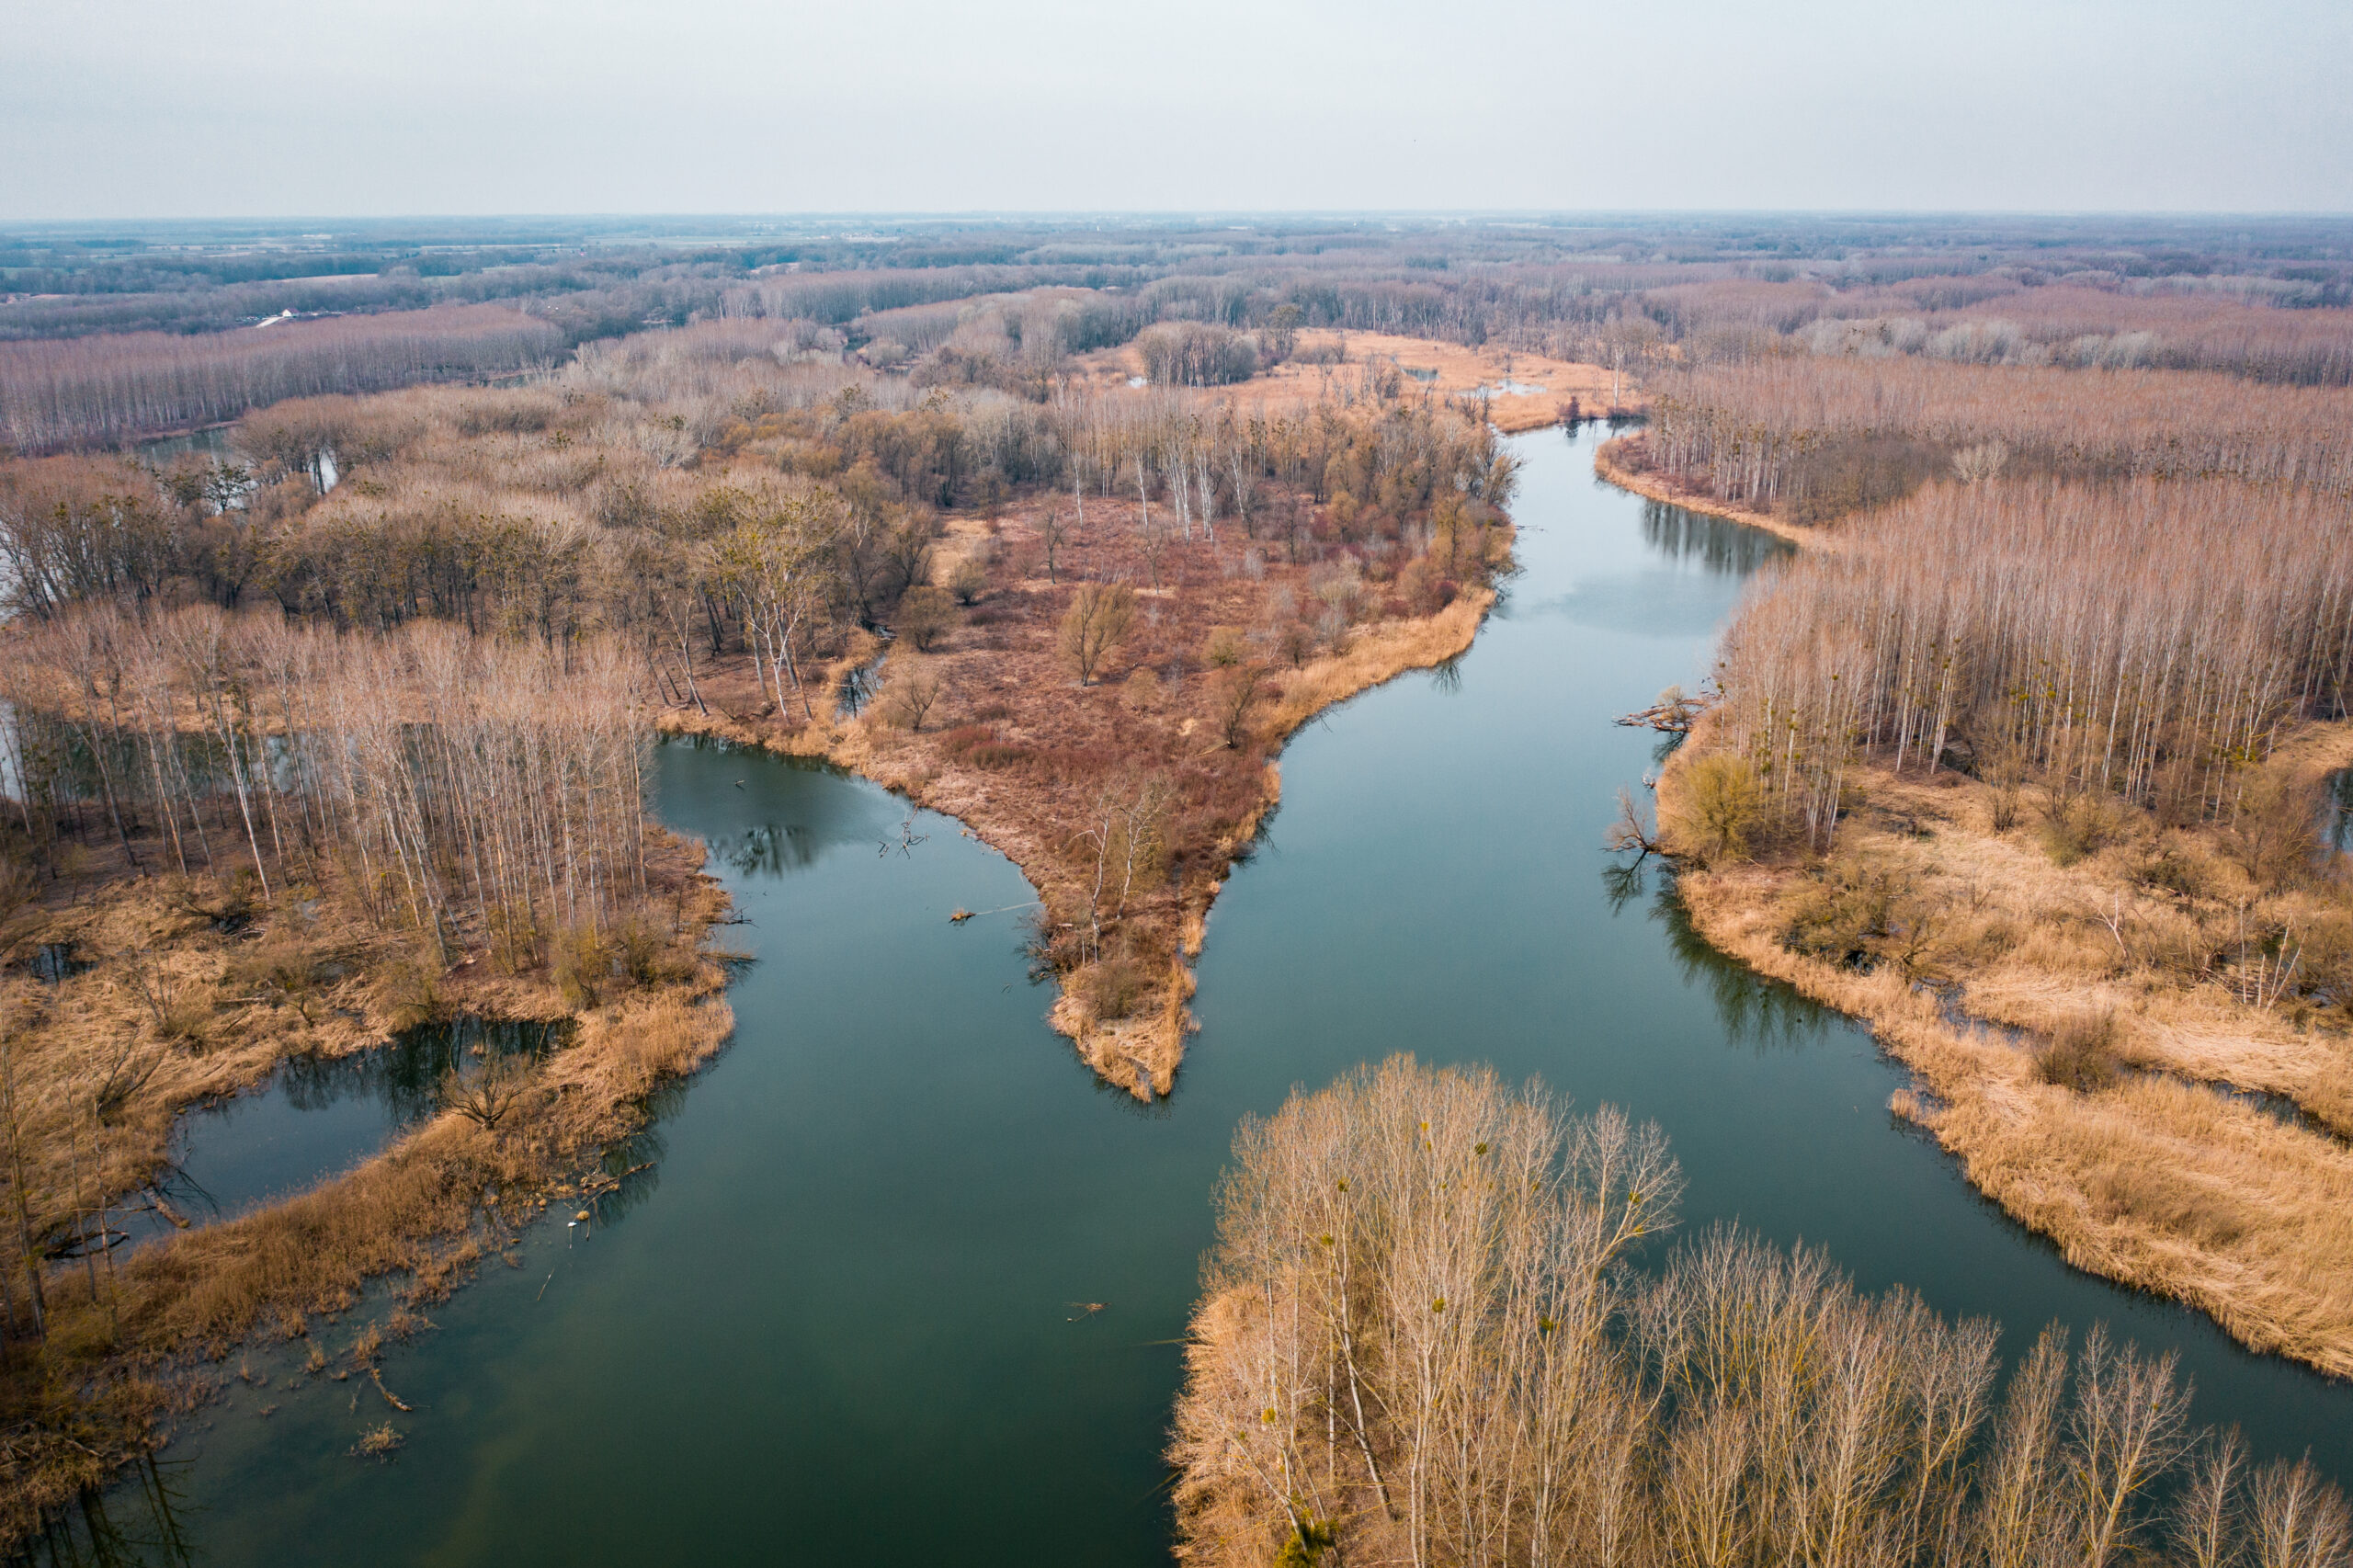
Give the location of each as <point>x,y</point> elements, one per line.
<point>316,1117</point>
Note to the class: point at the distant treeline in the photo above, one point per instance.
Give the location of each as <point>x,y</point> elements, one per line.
<point>2268,304</point>
<point>94,390</point>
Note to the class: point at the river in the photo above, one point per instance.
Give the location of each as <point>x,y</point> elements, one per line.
<point>840,1319</point>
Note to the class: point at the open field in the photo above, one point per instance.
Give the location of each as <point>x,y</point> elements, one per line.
<point>1523,390</point>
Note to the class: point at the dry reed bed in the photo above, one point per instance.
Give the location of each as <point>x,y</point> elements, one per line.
<point>2105,1121</point>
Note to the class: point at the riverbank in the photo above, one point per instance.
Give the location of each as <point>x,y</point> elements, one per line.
<point>1622,462</point>
<point>1064,778</point>
<point>2093,1040</point>
<point>148,996</point>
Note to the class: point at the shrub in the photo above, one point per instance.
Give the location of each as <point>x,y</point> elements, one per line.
<point>411,991</point>
<point>1842,918</point>
<point>581,965</point>
<point>2169,870</point>
<point>1224,648</point>
<point>1233,696</point>
<point>2081,1056</point>
<point>2273,833</point>
<point>913,693</point>
<point>2074,827</point>
<point>1113,987</point>
<point>1722,804</point>
<point>925,615</point>
<point>1098,619</point>
<point>960,741</point>
<point>969,581</point>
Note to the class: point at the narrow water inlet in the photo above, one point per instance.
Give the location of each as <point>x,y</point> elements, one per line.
<point>315,1117</point>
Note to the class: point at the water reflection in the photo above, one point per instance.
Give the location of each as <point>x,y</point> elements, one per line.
<point>317,1117</point>
<point>1722,547</point>
<point>137,1523</point>
<point>769,850</point>
<point>1762,1014</point>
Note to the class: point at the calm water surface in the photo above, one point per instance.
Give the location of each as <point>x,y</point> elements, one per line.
<point>834,1324</point>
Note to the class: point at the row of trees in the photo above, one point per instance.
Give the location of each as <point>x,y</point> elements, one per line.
<point>460,785</point>
<point>92,391</point>
<point>1754,432</point>
<point>2147,639</point>
<point>1421,1342</point>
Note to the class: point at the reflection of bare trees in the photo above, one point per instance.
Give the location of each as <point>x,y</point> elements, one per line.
<point>486,1095</point>
<point>1421,1343</point>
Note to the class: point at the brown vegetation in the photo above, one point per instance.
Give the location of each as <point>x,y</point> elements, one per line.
<point>2036,742</point>
<point>2077,634</point>
<point>1116,740</point>
<point>751,525</point>
<point>237,840</point>
<point>1814,438</point>
<point>2166,1085</point>
<point>1420,1342</point>
<point>94,391</point>
<point>1520,389</point>
<point>2045,754</point>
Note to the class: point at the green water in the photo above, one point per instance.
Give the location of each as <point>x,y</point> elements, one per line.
<point>832,1325</point>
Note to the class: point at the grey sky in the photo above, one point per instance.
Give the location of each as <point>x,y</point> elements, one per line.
<point>198,107</point>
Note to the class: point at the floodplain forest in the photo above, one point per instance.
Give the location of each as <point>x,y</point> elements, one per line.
<point>1428,1335</point>
<point>332,713</point>
<point>2026,756</point>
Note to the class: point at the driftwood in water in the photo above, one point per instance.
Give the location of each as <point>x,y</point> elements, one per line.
<point>1672,715</point>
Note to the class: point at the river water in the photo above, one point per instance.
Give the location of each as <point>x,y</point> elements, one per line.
<point>840,1319</point>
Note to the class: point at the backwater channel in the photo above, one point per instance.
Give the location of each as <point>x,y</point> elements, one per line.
<point>836,1321</point>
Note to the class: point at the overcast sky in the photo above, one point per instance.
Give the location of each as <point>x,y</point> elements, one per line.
<point>268,107</point>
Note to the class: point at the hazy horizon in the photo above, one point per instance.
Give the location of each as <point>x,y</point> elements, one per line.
<point>260,110</point>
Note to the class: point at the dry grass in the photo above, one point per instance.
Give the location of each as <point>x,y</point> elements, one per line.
<point>2098,1108</point>
<point>1448,369</point>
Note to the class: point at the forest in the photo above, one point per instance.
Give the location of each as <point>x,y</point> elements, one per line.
<point>2261,299</point>
<point>1439,1327</point>
<point>2027,755</point>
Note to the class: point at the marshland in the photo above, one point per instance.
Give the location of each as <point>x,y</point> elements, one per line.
<point>524,700</point>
